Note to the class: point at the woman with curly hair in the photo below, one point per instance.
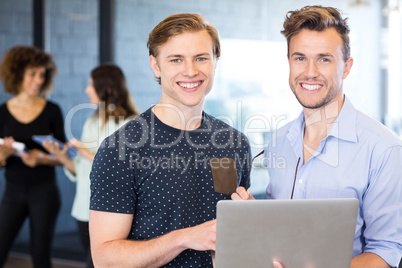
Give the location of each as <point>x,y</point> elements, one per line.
<point>107,89</point>
<point>31,188</point>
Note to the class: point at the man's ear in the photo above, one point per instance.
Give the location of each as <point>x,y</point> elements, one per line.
<point>155,66</point>
<point>347,67</point>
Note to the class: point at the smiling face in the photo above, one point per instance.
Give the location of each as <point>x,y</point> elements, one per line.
<point>186,65</point>
<point>33,80</point>
<point>317,68</point>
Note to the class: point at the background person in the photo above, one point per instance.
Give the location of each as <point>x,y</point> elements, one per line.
<point>333,150</point>
<point>153,196</point>
<point>31,189</point>
<point>108,90</point>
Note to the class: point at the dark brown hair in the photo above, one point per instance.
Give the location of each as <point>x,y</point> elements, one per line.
<point>15,62</point>
<point>317,18</point>
<point>177,24</point>
<point>111,87</point>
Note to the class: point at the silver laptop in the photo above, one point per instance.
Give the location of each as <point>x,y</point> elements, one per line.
<point>312,233</point>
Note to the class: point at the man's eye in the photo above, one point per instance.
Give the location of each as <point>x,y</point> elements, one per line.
<point>201,59</point>
<point>325,60</point>
<point>299,59</point>
<point>176,60</point>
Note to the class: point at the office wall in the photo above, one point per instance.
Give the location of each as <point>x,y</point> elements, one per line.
<point>15,23</point>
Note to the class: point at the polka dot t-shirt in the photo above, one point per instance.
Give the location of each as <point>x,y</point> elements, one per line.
<point>163,177</point>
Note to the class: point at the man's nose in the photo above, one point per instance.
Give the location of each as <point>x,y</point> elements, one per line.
<point>191,69</point>
<point>311,69</point>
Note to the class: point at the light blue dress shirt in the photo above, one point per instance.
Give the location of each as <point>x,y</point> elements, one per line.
<point>360,158</point>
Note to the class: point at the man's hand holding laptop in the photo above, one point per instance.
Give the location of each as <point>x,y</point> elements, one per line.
<point>242,194</point>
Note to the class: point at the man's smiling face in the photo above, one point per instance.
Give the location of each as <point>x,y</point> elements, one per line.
<point>317,68</point>
<point>186,65</point>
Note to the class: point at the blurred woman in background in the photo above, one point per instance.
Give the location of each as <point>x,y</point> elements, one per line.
<point>108,90</point>
<point>31,188</point>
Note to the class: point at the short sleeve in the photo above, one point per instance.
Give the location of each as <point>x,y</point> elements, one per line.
<point>112,178</point>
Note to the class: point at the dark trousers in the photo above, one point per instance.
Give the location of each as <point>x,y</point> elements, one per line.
<point>83,231</point>
<point>41,205</point>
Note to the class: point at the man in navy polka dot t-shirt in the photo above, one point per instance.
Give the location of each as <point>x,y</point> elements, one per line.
<point>155,182</point>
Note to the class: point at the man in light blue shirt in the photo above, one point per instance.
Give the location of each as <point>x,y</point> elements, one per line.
<point>332,150</point>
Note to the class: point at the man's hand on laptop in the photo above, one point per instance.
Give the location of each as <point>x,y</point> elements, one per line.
<point>277,264</point>
<point>242,194</point>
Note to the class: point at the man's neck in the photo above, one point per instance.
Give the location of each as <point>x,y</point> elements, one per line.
<point>318,123</point>
<point>180,117</point>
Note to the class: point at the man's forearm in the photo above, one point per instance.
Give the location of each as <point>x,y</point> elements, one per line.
<point>368,260</point>
<point>128,253</point>
<point>110,248</point>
